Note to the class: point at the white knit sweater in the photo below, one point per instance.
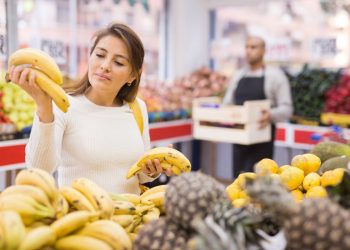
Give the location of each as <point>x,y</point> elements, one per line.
<point>92,141</point>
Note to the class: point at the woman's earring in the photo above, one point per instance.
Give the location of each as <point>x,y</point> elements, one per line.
<point>129,84</point>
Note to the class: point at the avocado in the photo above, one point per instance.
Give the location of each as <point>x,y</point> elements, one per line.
<point>329,149</point>
<point>333,163</point>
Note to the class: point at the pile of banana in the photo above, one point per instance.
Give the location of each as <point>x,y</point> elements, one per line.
<point>48,74</point>
<point>169,158</point>
<point>35,214</point>
<point>133,211</point>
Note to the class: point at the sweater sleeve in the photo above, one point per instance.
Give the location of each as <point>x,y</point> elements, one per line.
<point>143,178</point>
<point>43,149</point>
<point>283,99</point>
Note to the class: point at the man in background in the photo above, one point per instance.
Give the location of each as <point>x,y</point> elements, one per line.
<point>258,81</point>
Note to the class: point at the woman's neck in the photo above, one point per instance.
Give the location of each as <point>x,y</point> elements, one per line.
<point>102,99</point>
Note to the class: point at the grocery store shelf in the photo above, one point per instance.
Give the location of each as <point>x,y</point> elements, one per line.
<point>12,152</point>
<point>287,135</point>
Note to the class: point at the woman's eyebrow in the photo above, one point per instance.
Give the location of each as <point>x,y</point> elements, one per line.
<point>116,55</point>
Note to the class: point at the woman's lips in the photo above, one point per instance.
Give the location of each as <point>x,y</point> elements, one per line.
<point>102,76</point>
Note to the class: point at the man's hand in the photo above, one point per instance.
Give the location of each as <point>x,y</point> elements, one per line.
<point>265,119</point>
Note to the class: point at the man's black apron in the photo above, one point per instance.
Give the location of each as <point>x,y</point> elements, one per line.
<point>244,157</point>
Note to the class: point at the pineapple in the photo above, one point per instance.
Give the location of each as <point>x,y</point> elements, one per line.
<point>192,195</point>
<point>319,224</point>
<point>232,228</point>
<point>210,236</point>
<point>161,234</point>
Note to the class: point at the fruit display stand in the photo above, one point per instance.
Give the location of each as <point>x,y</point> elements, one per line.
<point>12,151</point>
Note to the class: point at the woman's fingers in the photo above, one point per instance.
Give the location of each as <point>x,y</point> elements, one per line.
<point>15,74</point>
<point>23,78</point>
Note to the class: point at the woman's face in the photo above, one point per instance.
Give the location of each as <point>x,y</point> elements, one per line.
<point>109,65</point>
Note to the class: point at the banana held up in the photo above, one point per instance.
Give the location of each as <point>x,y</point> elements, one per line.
<point>39,59</point>
<point>48,75</point>
<point>169,158</point>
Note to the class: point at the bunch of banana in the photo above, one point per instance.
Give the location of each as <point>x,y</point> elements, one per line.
<point>109,232</point>
<point>169,158</point>
<point>156,195</point>
<point>38,238</point>
<point>41,179</point>
<point>48,75</point>
<point>76,199</point>
<point>12,230</point>
<point>98,197</point>
<point>72,222</point>
<point>27,207</point>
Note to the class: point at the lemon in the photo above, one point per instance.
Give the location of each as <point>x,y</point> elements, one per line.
<point>241,178</point>
<point>311,180</point>
<point>316,192</point>
<point>282,168</point>
<point>266,166</point>
<point>292,177</point>
<point>301,188</point>
<point>307,162</point>
<point>332,177</point>
<point>297,195</point>
<point>233,191</point>
<point>240,202</point>
<point>243,195</point>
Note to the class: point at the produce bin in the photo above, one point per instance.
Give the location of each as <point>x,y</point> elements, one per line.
<point>230,123</point>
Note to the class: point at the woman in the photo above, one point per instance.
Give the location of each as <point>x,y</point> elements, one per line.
<point>98,138</point>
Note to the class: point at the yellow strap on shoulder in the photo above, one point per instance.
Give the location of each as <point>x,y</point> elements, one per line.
<point>135,107</point>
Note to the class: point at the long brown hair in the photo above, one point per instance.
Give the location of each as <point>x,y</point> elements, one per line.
<point>136,54</point>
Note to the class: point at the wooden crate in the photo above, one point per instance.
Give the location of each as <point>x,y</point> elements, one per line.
<point>231,123</point>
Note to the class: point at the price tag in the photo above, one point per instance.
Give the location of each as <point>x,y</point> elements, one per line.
<point>324,47</point>
<point>56,49</point>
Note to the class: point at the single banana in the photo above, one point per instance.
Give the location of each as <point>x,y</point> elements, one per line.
<point>97,196</point>
<point>32,191</point>
<point>39,178</point>
<point>175,169</point>
<point>134,224</point>
<point>133,198</point>
<point>72,222</point>
<point>29,209</point>
<point>38,238</point>
<point>117,197</point>
<point>123,207</point>
<point>143,208</point>
<point>123,219</point>
<point>55,91</point>
<point>132,236</point>
<point>81,242</point>
<point>62,207</point>
<point>156,189</point>
<point>152,214</point>
<point>138,228</point>
<point>2,238</point>
<point>164,155</point>
<point>35,225</point>
<point>76,199</point>
<point>13,230</point>
<point>109,232</point>
<point>157,198</point>
<point>39,59</point>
